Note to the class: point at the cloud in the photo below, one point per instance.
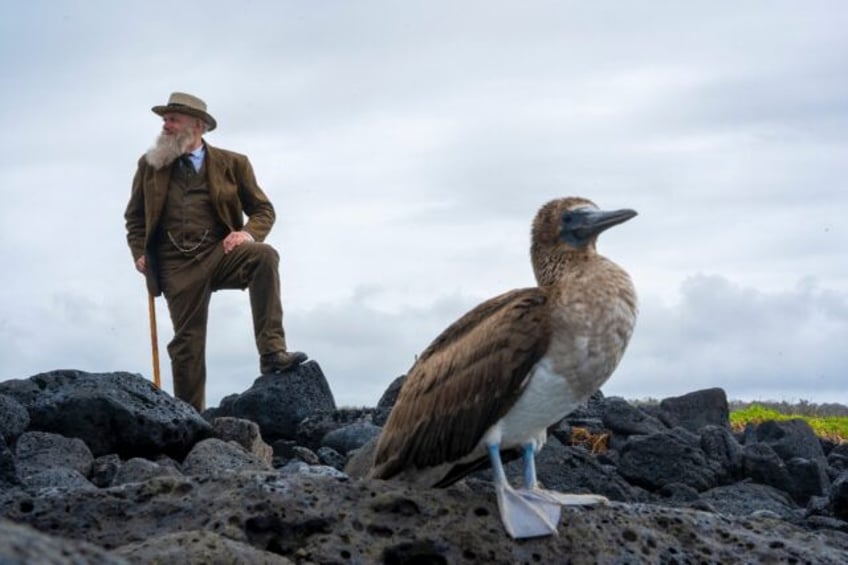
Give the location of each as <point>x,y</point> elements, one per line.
<point>407,146</point>
<point>756,345</point>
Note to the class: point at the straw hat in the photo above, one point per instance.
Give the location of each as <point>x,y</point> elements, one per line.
<point>183,103</point>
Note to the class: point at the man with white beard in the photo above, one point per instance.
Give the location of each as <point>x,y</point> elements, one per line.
<point>186,230</point>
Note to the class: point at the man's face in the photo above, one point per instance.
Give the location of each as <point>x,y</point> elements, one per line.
<point>174,123</point>
<point>180,134</point>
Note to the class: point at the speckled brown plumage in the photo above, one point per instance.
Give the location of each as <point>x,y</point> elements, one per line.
<point>577,321</point>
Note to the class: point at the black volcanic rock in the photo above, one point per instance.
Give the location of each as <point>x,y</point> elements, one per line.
<point>656,460</point>
<point>325,520</point>
<point>35,451</point>
<point>678,495</point>
<point>213,455</point>
<point>111,412</point>
<point>809,478</point>
<point>839,496</point>
<point>350,437</point>
<point>278,402</point>
<point>626,420</point>
<point>14,418</point>
<point>138,470</point>
<point>837,459</point>
<point>197,546</point>
<point>23,544</point>
<point>312,430</point>
<point>695,410</point>
<point>762,464</point>
<point>387,401</point>
<point>747,497</point>
<point>789,439</point>
<point>8,469</point>
<point>720,447</point>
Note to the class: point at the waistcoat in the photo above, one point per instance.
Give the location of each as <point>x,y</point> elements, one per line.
<point>189,225</point>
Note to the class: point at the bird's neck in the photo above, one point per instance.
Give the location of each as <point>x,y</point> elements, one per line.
<point>552,268</point>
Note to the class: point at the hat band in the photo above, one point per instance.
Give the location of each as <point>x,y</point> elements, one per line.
<point>178,105</point>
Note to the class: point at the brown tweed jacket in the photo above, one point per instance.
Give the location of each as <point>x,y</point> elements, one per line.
<point>234,193</point>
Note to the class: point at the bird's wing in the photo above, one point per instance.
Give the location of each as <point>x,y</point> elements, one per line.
<point>464,382</point>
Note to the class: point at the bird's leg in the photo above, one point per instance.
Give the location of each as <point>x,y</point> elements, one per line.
<point>528,454</point>
<point>531,488</point>
<point>522,516</point>
<point>497,465</point>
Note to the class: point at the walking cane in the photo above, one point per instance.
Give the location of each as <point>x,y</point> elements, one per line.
<point>154,340</point>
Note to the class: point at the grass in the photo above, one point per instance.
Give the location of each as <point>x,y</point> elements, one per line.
<point>834,428</point>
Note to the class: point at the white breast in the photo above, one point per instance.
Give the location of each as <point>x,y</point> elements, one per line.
<point>547,398</point>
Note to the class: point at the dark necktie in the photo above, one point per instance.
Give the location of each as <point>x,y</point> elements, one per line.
<point>186,165</point>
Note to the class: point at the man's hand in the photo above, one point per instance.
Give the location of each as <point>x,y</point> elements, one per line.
<point>236,238</point>
<point>141,264</point>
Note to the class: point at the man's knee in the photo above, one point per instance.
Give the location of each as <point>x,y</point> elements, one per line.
<point>187,344</point>
<point>266,254</point>
<point>260,256</point>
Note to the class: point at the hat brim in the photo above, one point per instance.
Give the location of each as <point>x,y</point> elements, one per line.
<point>180,109</point>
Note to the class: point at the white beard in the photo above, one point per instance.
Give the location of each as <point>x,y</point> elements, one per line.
<point>168,148</point>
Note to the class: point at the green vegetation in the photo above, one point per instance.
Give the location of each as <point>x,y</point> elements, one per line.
<point>834,428</point>
<point>828,420</point>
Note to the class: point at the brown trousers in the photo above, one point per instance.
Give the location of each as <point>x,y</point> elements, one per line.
<point>188,284</point>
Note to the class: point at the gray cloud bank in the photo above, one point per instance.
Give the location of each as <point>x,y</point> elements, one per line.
<point>407,146</point>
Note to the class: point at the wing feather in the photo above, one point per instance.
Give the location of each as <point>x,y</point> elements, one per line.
<point>464,382</point>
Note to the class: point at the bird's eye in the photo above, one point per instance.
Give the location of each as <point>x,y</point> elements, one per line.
<point>568,218</point>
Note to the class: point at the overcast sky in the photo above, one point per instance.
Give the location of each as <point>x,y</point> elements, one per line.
<point>407,146</point>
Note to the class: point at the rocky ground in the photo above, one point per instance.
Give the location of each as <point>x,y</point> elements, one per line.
<point>104,468</point>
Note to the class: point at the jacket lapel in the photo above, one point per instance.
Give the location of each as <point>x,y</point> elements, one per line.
<point>216,178</point>
<point>157,197</point>
<point>214,173</point>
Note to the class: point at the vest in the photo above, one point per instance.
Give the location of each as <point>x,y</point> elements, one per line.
<point>189,225</point>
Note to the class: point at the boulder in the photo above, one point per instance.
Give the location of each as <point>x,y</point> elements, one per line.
<point>312,430</point>
<point>104,469</point>
<point>212,456</point>
<point>697,409</point>
<point>14,418</point>
<point>245,433</point>
<point>623,419</point>
<point>808,478</point>
<point>350,437</point>
<point>41,450</point>
<point>279,402</point>
<point>839,496</point>
<point>119,413</point>
<point>837,459</point>
<point>747,497</point>
<point>330,457</point>
<point>659,459</point>
<point>137,470</point>
<point>55,479</point>
<point>790,439</point>
<point>387,401</point>
<point>720,446</point>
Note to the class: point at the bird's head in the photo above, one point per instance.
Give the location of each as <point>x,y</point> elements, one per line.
<point>567,227</point>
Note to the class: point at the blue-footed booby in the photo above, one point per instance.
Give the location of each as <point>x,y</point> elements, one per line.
<point>498,377</point>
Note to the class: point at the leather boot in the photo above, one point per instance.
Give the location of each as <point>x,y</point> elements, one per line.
<point>280,361</point>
